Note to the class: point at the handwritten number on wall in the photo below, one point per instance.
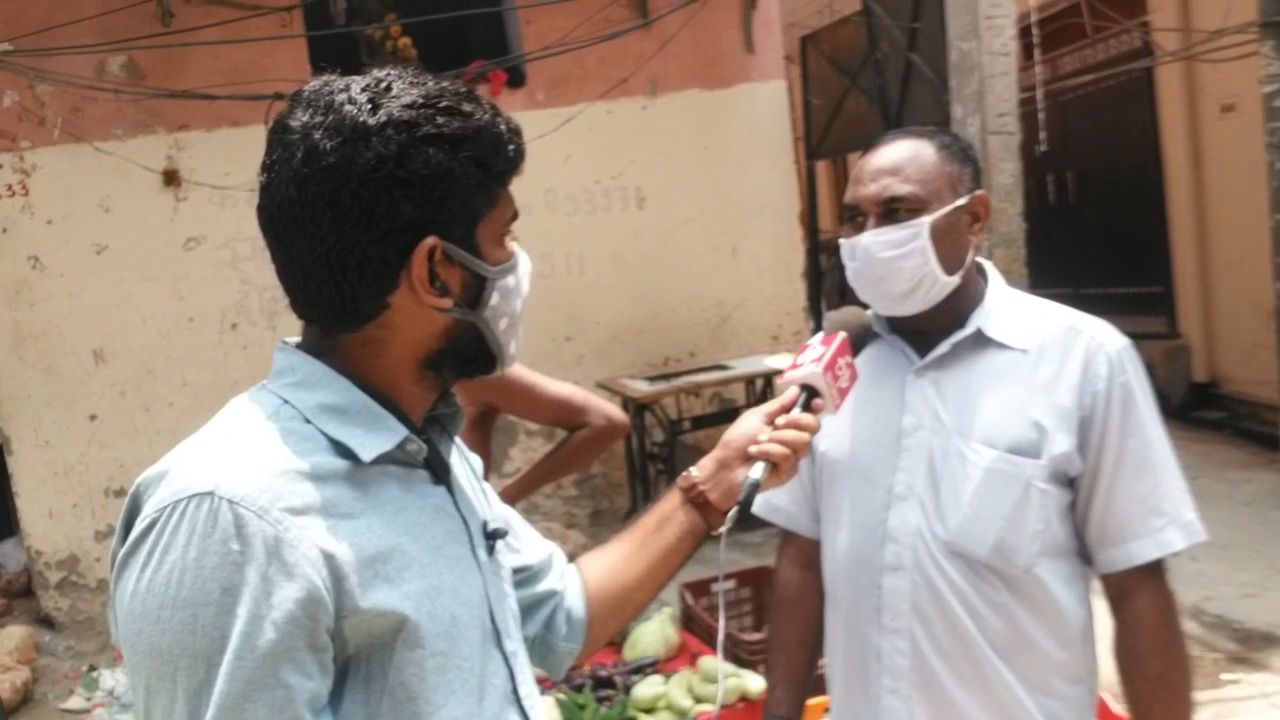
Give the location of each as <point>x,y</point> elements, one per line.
<point>15,190</point>
<point>600,200</point>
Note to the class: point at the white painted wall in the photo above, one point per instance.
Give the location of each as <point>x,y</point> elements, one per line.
<point>134,310</point>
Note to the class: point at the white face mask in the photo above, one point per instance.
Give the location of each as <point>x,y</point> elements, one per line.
<point>895,268</point>
<point>500,311</point>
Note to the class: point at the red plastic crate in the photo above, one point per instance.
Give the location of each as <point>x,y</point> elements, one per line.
<point>746,599</point>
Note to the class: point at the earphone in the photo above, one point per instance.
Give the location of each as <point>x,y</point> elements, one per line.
<point>437,283</point>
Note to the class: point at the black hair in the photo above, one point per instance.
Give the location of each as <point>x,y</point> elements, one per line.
<point>360,169</point>
<point>955,151</point>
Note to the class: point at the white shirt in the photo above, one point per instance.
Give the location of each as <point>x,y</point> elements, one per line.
<point>963,502</point>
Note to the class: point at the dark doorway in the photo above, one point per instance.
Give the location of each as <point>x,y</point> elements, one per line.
<point>1094,186</point>
<point>8,510</point>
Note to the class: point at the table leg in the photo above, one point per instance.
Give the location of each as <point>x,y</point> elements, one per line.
<point>637,463</point>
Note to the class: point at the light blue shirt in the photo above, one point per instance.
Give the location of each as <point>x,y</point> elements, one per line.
<point>294,559</point>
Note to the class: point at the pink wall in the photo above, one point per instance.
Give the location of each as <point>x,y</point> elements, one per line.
<point>709,53</point>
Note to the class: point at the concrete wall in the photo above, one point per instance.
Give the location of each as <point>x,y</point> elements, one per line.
<point>1211,134</point>
<point>983,73</point>
<point>662,220</point>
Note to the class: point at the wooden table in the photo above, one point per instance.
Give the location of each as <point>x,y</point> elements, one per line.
<point>658,417</point>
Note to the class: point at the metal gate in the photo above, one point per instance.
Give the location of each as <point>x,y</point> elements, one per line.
<point>882,67</point>
<point>1094,188</point>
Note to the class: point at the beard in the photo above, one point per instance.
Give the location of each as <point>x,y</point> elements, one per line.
<point>465,354</point>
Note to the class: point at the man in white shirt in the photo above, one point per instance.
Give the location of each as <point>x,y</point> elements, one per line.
<point>998,451</point>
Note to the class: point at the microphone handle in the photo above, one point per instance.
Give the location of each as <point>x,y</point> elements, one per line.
<point>760,470</point>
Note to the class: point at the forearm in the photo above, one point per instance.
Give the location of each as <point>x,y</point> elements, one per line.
<point>795,627</point>
<point>1152,656</point>
<point>573,454</point>
<point>623,575</point>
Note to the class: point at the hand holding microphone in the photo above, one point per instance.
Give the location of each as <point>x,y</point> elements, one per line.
<point>771,433</point>
<point>765,445</point>
<point>825,373</point>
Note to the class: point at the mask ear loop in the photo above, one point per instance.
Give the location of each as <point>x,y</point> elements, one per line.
<point>933,252</point>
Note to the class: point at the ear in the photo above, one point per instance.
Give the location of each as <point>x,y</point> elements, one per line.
<point>431,275</point>
<point>978,212</point>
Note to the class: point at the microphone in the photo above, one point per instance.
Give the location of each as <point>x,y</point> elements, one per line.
<point>823,368</point>
<point>492,534</point>
<point>854,321</point>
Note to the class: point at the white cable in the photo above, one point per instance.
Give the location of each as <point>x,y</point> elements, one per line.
<point>721,620</point>
<point>720,632</point>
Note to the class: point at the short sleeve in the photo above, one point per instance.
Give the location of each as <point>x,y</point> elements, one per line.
<point>220,616</point>
<point>549,592</point>
<point>794,505</point>
<point>1133,503</point>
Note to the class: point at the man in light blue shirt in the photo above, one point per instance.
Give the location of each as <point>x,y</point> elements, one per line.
<point>324,548</point>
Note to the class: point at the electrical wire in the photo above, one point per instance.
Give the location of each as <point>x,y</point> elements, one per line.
<point>82,82</point>
<point>137,163</point>
<point>634,71</point>
<point>143,93</point>
<point>1135,24</point>
<point>98,85</point>
<point>1199,56</point>
<point>599,11</point>
<point>97,48</point>
<point>77,21</point>
<point>57,51</point>
<point>1201,50</point>
<point>553,50</point>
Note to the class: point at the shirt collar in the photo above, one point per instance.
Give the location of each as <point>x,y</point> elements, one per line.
<point>997,316</point>
<point>1000,315</point>
<point>351,415</point>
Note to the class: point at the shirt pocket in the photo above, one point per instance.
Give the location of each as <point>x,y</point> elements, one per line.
<point>997,507</point>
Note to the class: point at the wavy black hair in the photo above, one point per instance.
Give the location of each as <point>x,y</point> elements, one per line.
<point>359,169</point>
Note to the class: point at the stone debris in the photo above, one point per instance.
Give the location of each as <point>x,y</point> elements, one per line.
<point>19,650</point>
<point>16,681</point>
<point>103,693</point>
<point>20,643</point>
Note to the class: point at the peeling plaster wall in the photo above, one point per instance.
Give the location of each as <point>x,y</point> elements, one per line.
<point>663,231</point>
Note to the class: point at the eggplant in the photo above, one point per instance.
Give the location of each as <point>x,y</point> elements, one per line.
<point>576,684</point>
<point>641,666</point>
<point>606,696</point>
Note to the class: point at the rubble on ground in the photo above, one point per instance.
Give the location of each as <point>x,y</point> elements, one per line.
<point>103,693</point>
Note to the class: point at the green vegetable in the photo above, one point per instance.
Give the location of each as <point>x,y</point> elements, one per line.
<point>700,709</point>
<point>709,668</point>
<point>583,706</point>
<point>646,694</point>
<point>678,697</point>
<point>665,714</point>
<point>704,691</point>
<point>754,685</point>
<point>659,637</point>
<point>552,708</point>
